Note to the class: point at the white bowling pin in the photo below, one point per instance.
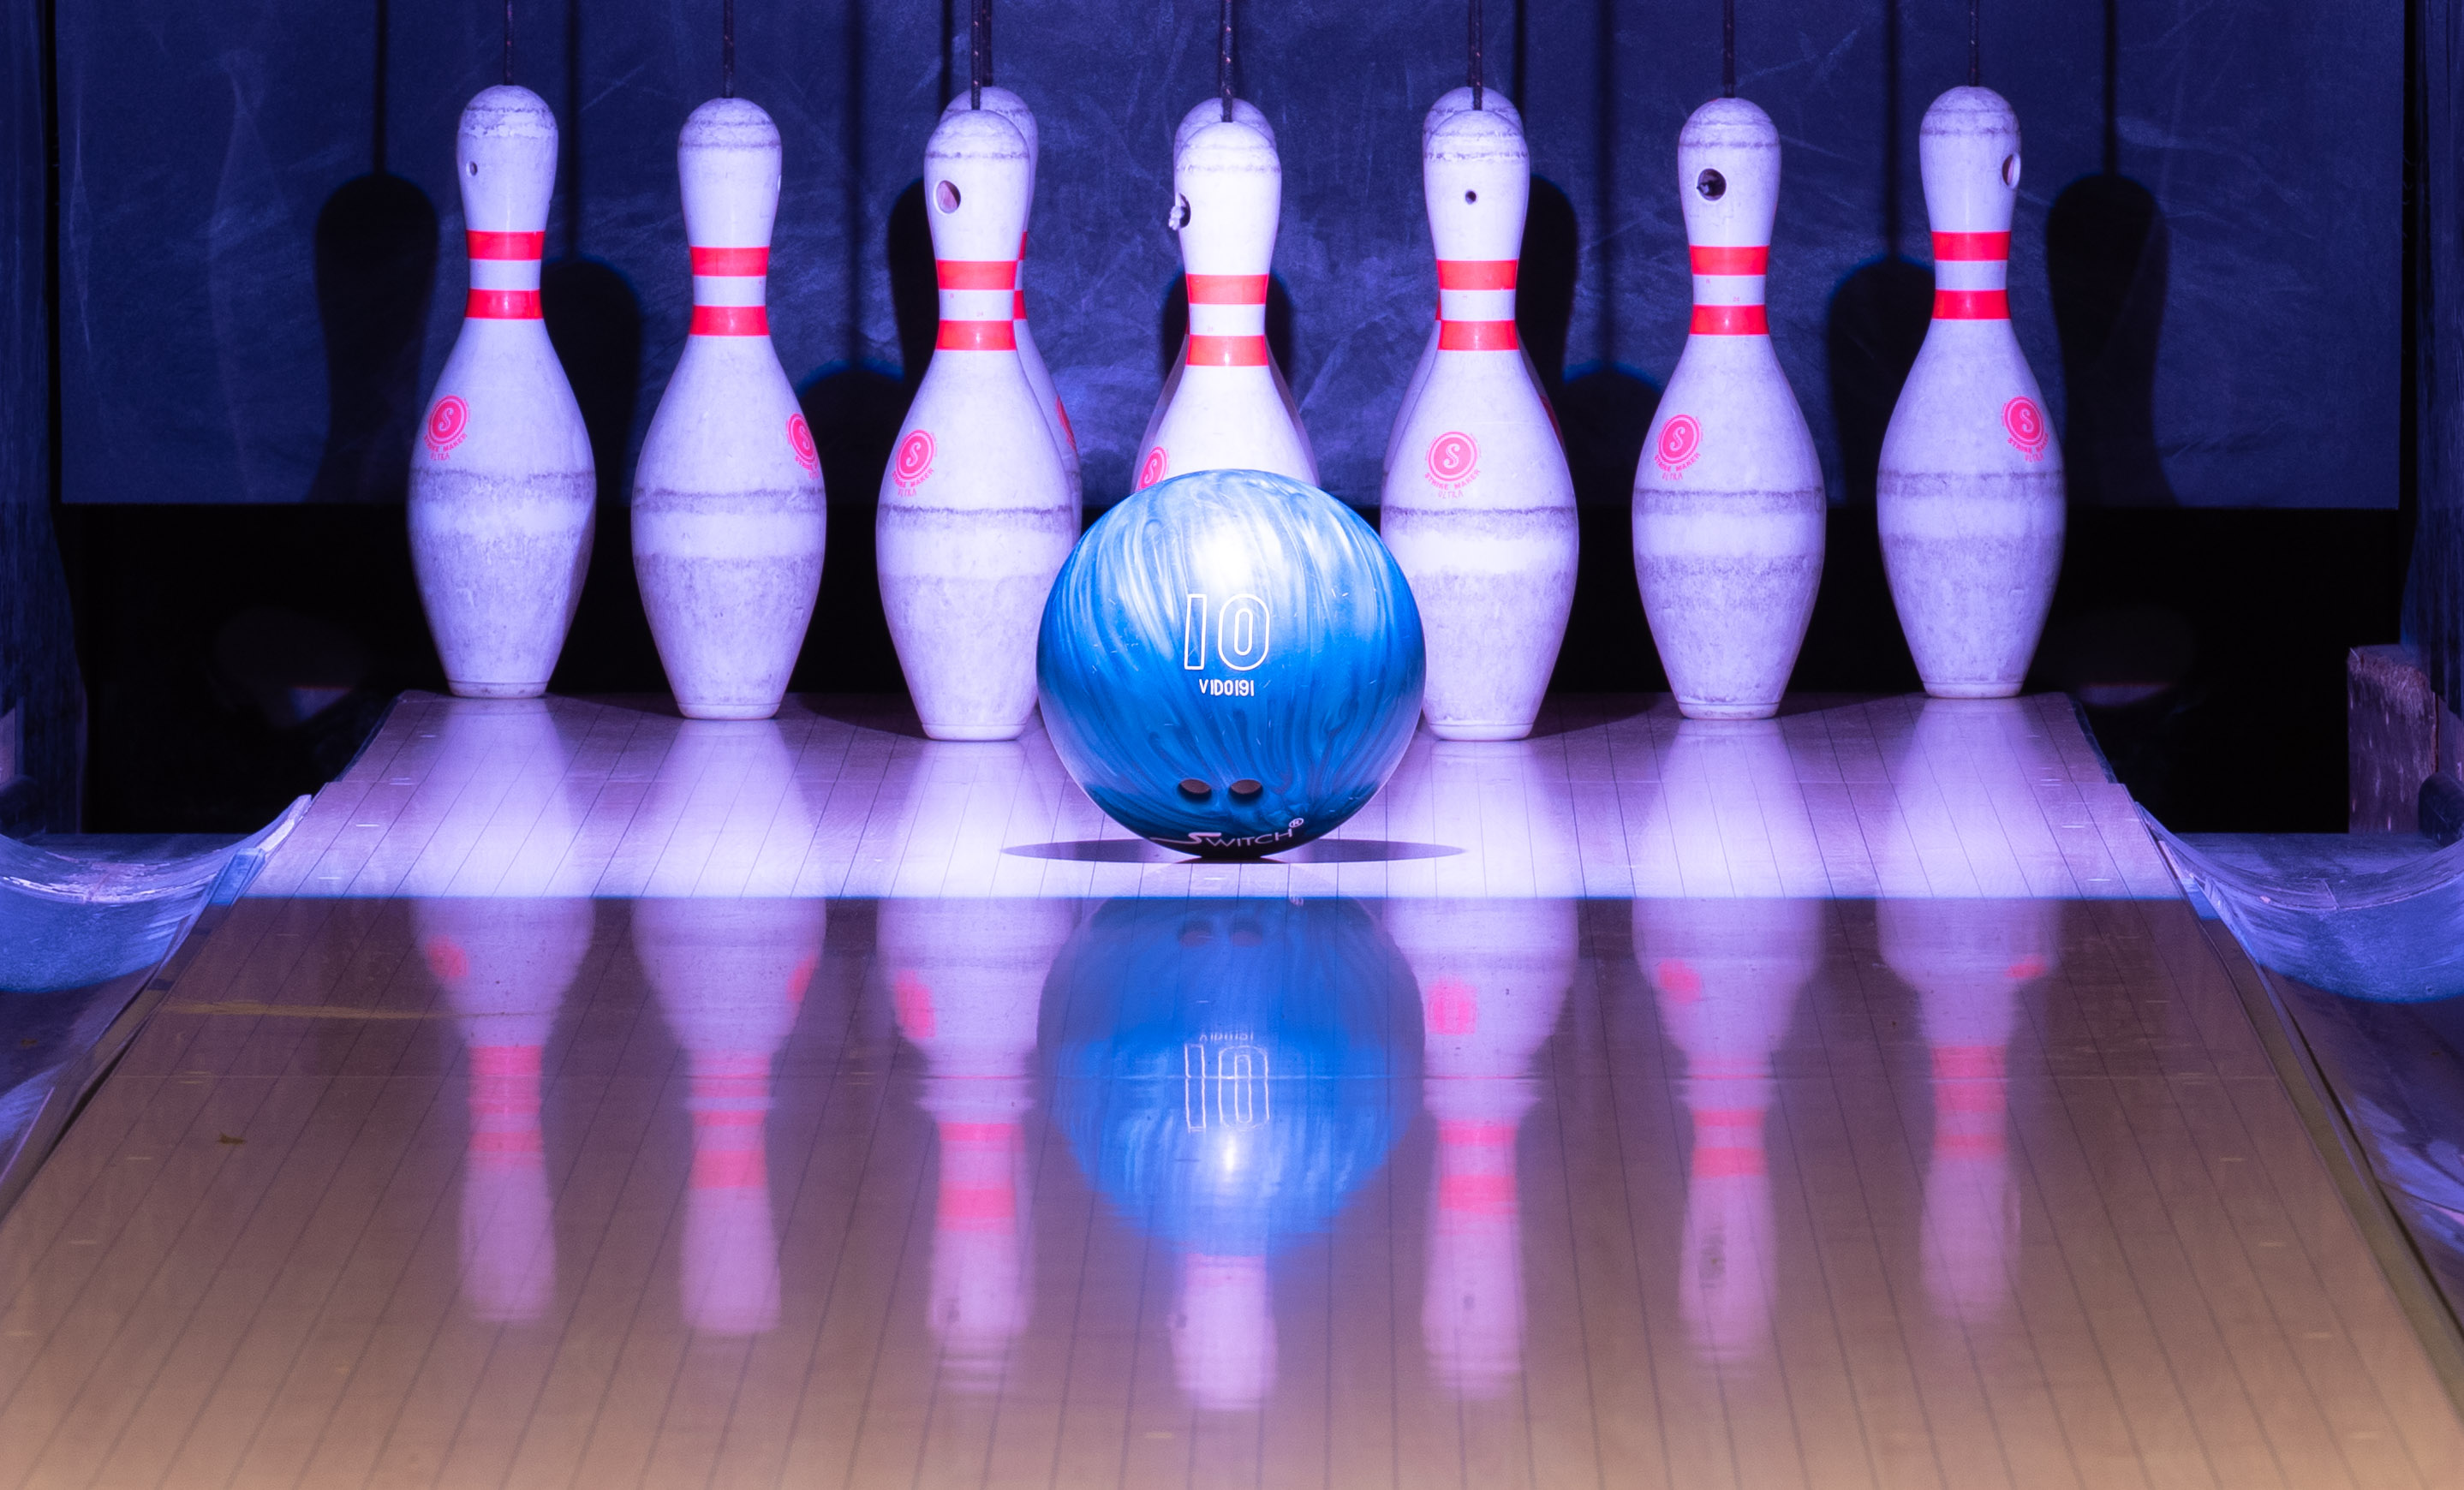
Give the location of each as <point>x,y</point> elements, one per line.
<point>1728,506</point>
<point>504,966</point>
<point>1727,972</point>
<point>1972,962</point>
<point>1480,512</point>
<point>501,489</point>
<point>728,512</point>
<point>976,513</point>
<point>1971,496</point>
<point>1210,112</point>
<point>1228,412</point>
<point>1224,1332</point>
<point>1056,418</point>
<point>966,980</point>
<point>1451,103</point>
<point>1493,976</point>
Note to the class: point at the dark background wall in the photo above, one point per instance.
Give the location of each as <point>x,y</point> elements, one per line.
<point>260,274</point>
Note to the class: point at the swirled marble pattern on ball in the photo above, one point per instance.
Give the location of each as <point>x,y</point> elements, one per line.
<point>1228,628</point>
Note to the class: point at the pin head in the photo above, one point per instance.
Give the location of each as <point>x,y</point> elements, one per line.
<point>728,159</point>
<point>1458,101</point>
<point>1228,189</point>
<point>975,179</point>
<point>1211,112</point>
<point>1728,174</point>
<point>504,157</point>
<point>1476,175</point>
<point>1969,151</point>
<point>1013,108</point>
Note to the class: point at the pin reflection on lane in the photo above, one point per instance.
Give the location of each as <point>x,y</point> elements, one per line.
<point>1493,977</point>
<point>729,975</point>
<point>1228,1073</point>
<point>966,978</point>
<point>504,965</point>
<point>1973,949</point>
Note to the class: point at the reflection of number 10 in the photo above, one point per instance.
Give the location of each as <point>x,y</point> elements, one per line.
<point>1240,633</point>
<point>1236,1084</point>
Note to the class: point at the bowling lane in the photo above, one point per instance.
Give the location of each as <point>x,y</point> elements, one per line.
<point>456,1190</point>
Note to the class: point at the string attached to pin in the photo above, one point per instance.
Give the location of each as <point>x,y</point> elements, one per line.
<point>1975,46</point>
<point>727,49</point>
<point>1475,64</point>
<point>979,51</point>
<point>1727,48</point>
<point>1224,63</point>
<point>509,43</point>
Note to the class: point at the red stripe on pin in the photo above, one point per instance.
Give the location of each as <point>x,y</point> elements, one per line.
<point>976,336</point>
<point>1476,335</point>
<point>976,273</point>
<point>1227,288</point>
<point>1971,305</point>
<point>1731,320</point>
<point>1968,247</point>
<point>1227,351</point>
<point>1018,305</point>
<point>731,321</point>
<point>506,244</point>
<point>1716,259</point>
<point>502,305</point>
<point>731,263</point>
<point>1477,273</point>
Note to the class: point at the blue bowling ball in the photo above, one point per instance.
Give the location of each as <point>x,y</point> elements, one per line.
<point>1230,663</point>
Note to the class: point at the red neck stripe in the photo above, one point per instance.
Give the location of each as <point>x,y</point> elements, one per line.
<point>1476,335</point>
<point>506,244</point>
<point>1018,305</point>
<point>1477,273</point>
<point>976,273</point>
<point>731,321</point>
<point>1731,320</point>
<point>976,336</point>
<point>1227,288</point>
<point>1966,248</point>
<point>1971,305</point>
<point>502,305</point>
<point>1714,259</point>
<point>1227,351</point>
<point>736,263</point>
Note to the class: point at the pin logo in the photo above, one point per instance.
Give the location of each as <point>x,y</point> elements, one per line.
<point>447,423</point>
<point>1680,440</point>
<point>1153,471</point>
<point>799,439</point>
<point>914,461</point>
<point>1454,460</point>
<point>1454,1007</point>
<point>2026,422</point>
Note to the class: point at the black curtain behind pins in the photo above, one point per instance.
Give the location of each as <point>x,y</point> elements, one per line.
<point>2435,588</point>
<point>42,709</point>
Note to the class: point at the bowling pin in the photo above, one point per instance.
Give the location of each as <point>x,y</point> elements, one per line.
<point>1209,112</point>
<point>1727,499</point>
<point>1970,495</point>
<point>504,966</point>
<point>1228,410</point>
<point>1056,418</point>
<point>975,511</point>
<point>728,512</point>
<point>1479,512</point>
<point>966,981</point>
<point>1727,973</point>
<point>1493,976</point>
<point>501,489</point>
<point>1451,103</point>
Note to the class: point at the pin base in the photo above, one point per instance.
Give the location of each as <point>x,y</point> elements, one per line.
<point>468,690</point>
<point>1973,690</point>
<point>1696,710</point>
<point>737,712</point>
<point>1456,730</point>
<point>975,732</point>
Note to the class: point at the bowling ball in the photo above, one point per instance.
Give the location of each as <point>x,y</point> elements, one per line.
<point>1228,1072</point>
<point>1230,663</point>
